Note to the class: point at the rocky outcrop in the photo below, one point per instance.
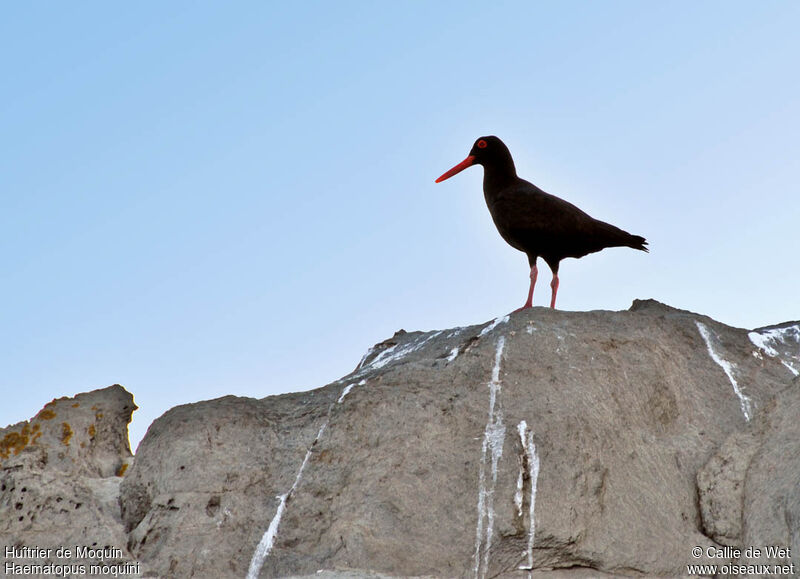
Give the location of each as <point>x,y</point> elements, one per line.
<point>60,474</point>
<point>545,442</point>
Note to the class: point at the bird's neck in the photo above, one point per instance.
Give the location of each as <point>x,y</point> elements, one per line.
<point>499,174</point>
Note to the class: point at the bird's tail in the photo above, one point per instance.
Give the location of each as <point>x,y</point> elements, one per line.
<point>613,236</point>
<point>638,242</point>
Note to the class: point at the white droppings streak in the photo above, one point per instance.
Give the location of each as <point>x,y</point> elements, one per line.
<point>347,389</point>
<point>345,392</point>
<point>268,539</point>
<point>532,460</point>
<point>385,357</point>
<point>727,367</point>
<point>518,493</point>
<point>364,357</point>
<point>769,340</point>
<point>493,438</point>
<point>453,354</point>
<point>454,333</point>
<point>394,353</point>
<point>791,368</point>
<point>496,322</point>
<point>762,342</point>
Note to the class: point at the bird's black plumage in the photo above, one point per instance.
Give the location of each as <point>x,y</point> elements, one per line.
<point>535,222</point>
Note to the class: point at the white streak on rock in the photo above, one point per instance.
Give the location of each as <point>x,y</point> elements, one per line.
<point>267,541</point>
<point>496,322</point>
<point>454,333</point>
<point>453,354</point>
<point>347,389</point>
<point>532,460</point>
<point>522,428</point>
<point>727,367</point>
<point>762,341</point>
<point>769,340</point>
<point>345,392</point>
<point>493,438</point>
<point>387,356</point>
<point>364,357</point>
<point>534,473</point>
<point>394,353</point>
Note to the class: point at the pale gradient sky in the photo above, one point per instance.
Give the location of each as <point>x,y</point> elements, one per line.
<point>201,199</point>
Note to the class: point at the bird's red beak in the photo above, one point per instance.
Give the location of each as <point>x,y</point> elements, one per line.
<point>458,168</point>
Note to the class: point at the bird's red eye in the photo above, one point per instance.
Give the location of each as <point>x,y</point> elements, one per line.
<point>481,144</point>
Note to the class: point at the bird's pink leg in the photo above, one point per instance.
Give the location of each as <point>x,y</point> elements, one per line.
<point>554,287</point>
<point>529,303</point>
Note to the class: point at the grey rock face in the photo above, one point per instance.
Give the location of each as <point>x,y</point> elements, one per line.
<point>590,442</point>
<point>554,443</point>
<point>60,474</point>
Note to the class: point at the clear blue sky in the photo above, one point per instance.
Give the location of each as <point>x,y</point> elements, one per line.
<point>200,199</point>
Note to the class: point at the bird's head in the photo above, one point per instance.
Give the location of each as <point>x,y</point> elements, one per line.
<point>486,151</point>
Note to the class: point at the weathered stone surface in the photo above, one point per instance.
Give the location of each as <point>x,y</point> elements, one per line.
<point>86,435</point>
<point>748,490</point>
<point>402,469</point>
<point>721,486</point>
<point>210,472</point>
<point>581,444</point>
<point>772,500</point>
<point>59,481</point>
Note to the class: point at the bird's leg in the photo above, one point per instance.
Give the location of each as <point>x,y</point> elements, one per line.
<point>534,275</point>
<point>554,287</point>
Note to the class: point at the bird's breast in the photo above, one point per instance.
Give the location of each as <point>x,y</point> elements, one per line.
<point>505,215</point>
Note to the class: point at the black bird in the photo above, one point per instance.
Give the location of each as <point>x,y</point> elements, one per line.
<point>535,222</point>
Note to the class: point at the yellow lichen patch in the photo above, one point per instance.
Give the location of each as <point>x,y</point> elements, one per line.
<point>91,430</point>
<point>98,415</point>
<point>35,437</point>
<point>94,407</point>
<point>14,442</point>
<point>66,433</point>
<point>76,404</point>
<point>36,428</point>
<point>46,414</point>
<point>55,401</point>
<point>121,470</point>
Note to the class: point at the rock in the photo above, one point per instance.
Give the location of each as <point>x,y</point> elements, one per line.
<point>59,483</point>
<point>721,486</point>
<point>86,435</point>
<point>574,442</point>
<point>227,459</point>
<point>544,443</point>
<point>771,509</point>
<point>748,489</point>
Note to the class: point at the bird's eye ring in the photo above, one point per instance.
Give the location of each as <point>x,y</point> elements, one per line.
<point>481,144</point>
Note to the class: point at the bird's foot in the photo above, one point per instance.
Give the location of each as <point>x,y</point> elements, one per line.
<point>525,307</point>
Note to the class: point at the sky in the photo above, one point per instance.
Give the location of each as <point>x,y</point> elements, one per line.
<point>209,198</point>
